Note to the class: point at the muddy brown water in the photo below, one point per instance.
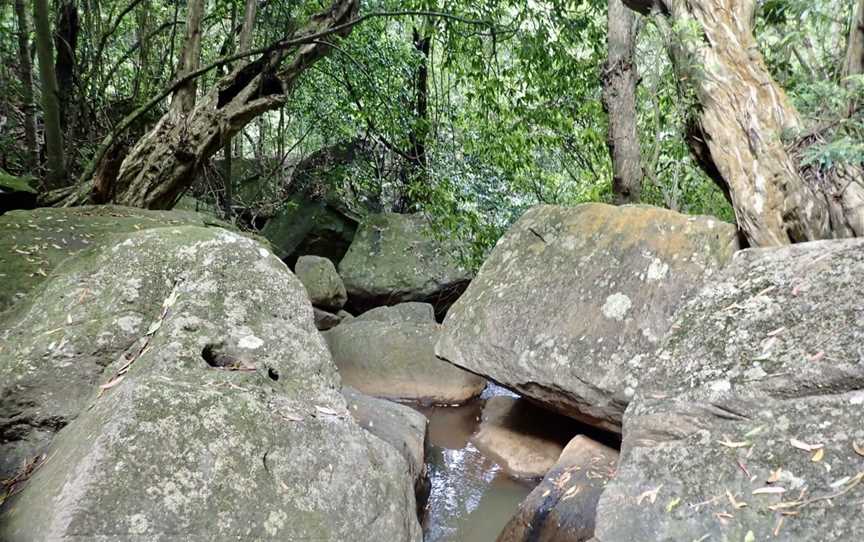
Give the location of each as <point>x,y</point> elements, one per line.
<point>471,497</point>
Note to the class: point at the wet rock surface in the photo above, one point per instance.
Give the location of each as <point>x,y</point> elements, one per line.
<point>523,438</point>
<point>570,296</point>
<point>191,396</point>
<point>563,507</point>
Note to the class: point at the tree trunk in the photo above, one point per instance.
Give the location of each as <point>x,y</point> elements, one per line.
<point>190,59</point>
<point>25,67</point>
<point>619,101</point>
<point>166,160</point>
<point>50,101</point>
<point>739,128</point>
<point>65,43</point>
<point>854,64</point>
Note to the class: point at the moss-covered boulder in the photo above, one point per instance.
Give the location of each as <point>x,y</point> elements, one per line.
<point>397,361</point>
<point>192,398</point>
<point>570,298</point>
<point>35,242</point>
<point>309,226</point>
<point>396,258</point>
<point>747,425</point>
<point>323,284</point>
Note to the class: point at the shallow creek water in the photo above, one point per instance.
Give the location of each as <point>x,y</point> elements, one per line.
<point>471,498</point>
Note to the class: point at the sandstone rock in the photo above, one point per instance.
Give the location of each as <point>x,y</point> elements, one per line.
<point>398,425</point>
<point>226,424</point>
<point>524,439</point>
<point>396,258</point>
<point>412,311</point>
<point>323,284</point>
<point>397,361</point>
<point>562,508</point>
<point>761,370</point>
<point>570,296</point>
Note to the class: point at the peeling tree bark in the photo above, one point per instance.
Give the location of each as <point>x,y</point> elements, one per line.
<point>854,64</point>
<point>619,101</point>
<point>739,128</point>
<point>25,67</point>
<point>164,162</point>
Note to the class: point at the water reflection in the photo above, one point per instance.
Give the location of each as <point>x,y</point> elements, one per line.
<point>471,499</point>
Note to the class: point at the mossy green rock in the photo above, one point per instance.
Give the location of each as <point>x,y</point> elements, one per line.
<point>305,226</point>
<point>570,295</point>
<point>762,369</point>
<point>33,243</point>
<point>228,423</point>
<point>396,258</point>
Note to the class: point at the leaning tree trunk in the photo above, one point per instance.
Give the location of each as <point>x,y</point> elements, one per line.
<point>743,117</point>
<point>619,101</point>
<point>164,162</point>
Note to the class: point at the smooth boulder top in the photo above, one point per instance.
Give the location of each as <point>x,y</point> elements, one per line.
<point>198,401</point>
<point>396,258</point>
<point>397,361</point>
<point>747,425</point>
<point>569,296</point>
<point>562,507</point>
<point>324,286</point>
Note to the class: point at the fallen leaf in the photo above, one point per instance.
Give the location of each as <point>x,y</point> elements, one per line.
<point>739,444</point>
<point>327,411</point>
<point>572,492</point>
<point>755,431</point>
<point>673,504</point>
<point>801,445</point>
<point>840,482</point>
<point>775,476</point>
<point>154,327</point>
<point>777,528</point>
<point>770,490</point>
<point>737,505</point>
<point>749,537</point>
<point>859,448</point>
<point>817,356</point>
<point>290,416</point>
<point>112,383</point>
<point>651,495</point>
<point>817,457</point>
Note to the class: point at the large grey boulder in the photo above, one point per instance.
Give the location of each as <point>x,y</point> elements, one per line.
<point>562,507</point>
<point>398,425</point>
<point>570,296</point>
<point>747,425</point>
<point>191,398</point>
<point>324,286</point>
<point>396,258</point>
<point>397,361</point>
